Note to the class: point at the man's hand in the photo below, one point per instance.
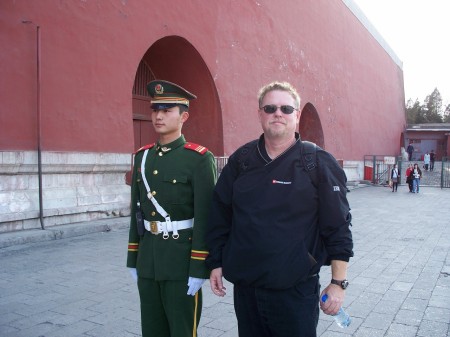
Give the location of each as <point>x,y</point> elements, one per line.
<point>335,293</point>
<point>216,282</point>
<point>334,301</point>
<point>194,285</point>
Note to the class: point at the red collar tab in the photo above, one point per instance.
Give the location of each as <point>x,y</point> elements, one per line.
<point>195,147</point>
<point>145,147</point>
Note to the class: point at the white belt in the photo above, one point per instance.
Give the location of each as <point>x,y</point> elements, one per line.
<point>156,227</point>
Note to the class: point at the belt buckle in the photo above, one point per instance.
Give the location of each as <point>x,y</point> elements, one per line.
<point>154,227</point>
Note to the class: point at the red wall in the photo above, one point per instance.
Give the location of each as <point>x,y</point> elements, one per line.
<point>90,51</point>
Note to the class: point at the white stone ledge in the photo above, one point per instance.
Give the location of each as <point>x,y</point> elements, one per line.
<point>354,170</point>
<point>66,220</point>
<point>75,187</point>
<point>25,162</point>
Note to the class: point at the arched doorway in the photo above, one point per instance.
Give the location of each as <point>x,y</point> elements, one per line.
<point>174,59</point>
<point>310,126</point>
<point>142,122</point>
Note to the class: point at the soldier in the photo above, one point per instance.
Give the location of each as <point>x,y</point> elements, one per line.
<point>171,192</point>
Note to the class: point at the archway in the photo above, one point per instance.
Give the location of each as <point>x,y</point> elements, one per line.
<point>310,127</point>
<point>174,59</point>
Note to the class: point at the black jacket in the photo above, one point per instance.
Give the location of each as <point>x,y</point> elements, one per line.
<point>411,174</point>
<point>269,226</point>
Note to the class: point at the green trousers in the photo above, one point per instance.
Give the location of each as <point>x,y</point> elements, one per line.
<point>166,309</point>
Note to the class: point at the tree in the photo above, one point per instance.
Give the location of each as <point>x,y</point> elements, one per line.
<point>412,111</point>
<point>430,111</point>
<point>447,114</point>
<point>433,104</point>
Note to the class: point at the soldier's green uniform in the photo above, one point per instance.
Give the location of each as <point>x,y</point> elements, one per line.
<point>181,177</point>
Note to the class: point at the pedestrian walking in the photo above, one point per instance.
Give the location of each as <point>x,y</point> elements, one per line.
<point>432,158</point>
<point>426,161</point>
<point>395,177</point>
<point>415,175</point>
<point>409,179</point>
<point>410,150</point>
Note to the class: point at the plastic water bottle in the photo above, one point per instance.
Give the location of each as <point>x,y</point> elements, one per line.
<point>342,318</point>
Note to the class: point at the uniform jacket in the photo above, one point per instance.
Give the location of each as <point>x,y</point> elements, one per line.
<point>182,176</point>
<point>270,226</point>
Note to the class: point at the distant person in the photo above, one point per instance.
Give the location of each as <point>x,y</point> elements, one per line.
<point>404,154</point>
<point>426,161</point>
<point>415,175</point>
<point>409,180</point>
<point>395,177</point>
<point>410,150</point>
<point>432,157</point>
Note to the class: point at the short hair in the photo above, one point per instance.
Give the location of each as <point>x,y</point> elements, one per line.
<point>282,86</point>
<point>182,108</point>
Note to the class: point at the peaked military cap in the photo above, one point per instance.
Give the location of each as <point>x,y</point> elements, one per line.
<point>166,94</point>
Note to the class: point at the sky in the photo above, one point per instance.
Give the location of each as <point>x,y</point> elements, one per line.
<point>418,31</point>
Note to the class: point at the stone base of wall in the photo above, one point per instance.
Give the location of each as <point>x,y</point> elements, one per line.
<point>354,170</point>
<point>76,187</point>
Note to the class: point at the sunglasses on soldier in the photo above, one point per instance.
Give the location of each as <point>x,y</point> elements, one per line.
<point>271,108</point>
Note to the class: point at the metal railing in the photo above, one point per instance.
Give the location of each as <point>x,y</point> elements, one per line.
<point>377,170</point>
<point>220,163</point>
<point>445,172</point>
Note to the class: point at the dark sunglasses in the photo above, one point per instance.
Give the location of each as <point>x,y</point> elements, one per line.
<point>286,109</point>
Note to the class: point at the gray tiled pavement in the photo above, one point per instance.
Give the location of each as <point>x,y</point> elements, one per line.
<point>78,285</point>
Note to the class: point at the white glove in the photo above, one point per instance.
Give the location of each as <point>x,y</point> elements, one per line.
<point>133,273</point>
<point>194,285</point>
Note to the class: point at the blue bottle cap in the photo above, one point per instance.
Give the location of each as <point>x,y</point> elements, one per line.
<point>324,298</point>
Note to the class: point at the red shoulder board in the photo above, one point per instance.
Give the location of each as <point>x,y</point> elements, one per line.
<point>145,147</point>
<point>195,147</point>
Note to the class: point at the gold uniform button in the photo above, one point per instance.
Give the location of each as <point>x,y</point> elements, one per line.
<point>174,181</point>
<point>155,172</point>
<point>154,193</point>
<point>153,213</point>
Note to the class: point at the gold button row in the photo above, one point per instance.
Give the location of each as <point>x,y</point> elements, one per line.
<point>155,172</point>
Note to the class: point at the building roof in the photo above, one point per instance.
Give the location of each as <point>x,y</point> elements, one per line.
<point>429,127</point>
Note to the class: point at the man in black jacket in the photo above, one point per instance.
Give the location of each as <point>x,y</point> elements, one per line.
<point>410,150</point>
<point>271,227</point>
<point>432,158</point>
